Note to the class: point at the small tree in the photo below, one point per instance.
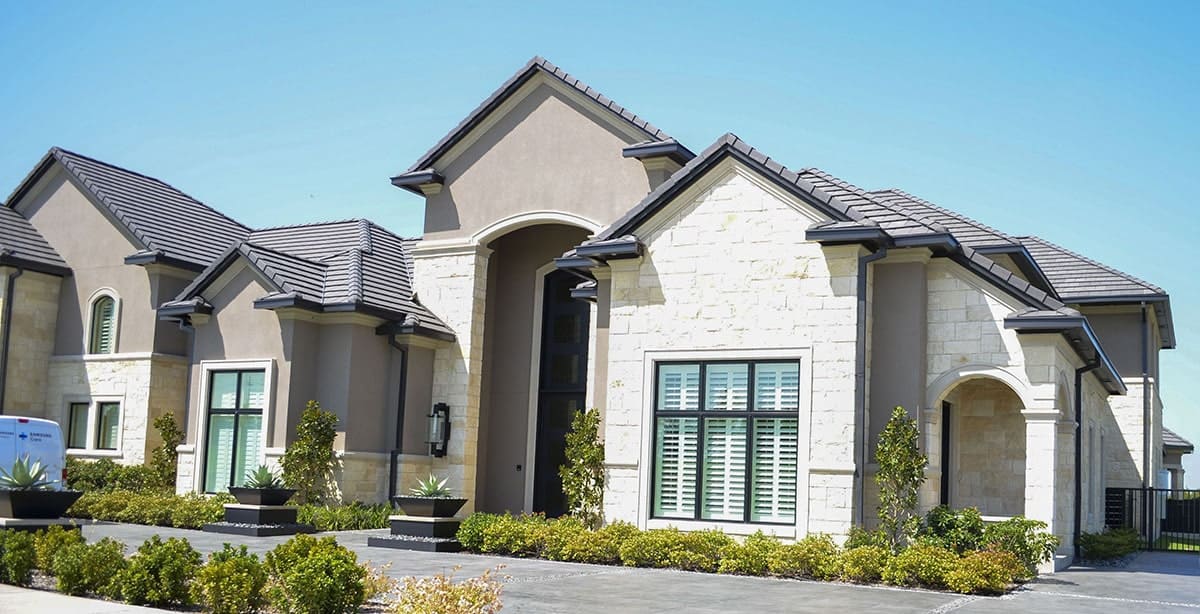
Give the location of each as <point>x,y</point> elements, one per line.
<point>309,460</point>
<point>901,473</point>
<point>583,474</point>
<point>165,458</point>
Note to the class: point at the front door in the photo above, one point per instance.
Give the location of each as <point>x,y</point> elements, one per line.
<point>562,386</point>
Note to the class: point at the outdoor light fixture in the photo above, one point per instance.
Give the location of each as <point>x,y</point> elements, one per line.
<point>439,430</point>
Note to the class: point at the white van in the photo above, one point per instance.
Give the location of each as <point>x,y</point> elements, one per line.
<point>40,439</point>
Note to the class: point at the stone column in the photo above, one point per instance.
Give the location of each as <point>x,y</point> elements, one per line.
<point>1041,468</point>
<point>931,430</point>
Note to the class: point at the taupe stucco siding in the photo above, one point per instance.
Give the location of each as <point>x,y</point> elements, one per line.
<point>897,343</point>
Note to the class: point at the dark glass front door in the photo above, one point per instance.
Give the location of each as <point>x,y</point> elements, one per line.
<point>562,386</point>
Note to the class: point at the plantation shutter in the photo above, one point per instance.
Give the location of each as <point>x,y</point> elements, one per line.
<point>104,312</point>
<point>675,467</point>
<point>724,468</point>
<point>679,388</point>
<point>108,427</point>
<point>726,387</point>
<point>777,387</point>
<point>774,482</point>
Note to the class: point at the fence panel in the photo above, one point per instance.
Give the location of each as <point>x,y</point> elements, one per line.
<point>1165,519</point>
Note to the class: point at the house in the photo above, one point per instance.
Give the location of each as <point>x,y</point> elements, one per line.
<point>1174,447</point>
<point>745,330</point>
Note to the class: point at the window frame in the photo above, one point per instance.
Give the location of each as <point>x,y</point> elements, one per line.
<point>204,393</point>
<point>89,332</point>
<point>750,414</point>
<point>92,434</point>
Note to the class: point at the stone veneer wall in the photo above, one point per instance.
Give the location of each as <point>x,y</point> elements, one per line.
<point>31,342</point>
<point>146,385</point>
<point>729,271</point>
<point>988,446</point>
<point>1124,445</point>
<point>362,476</point>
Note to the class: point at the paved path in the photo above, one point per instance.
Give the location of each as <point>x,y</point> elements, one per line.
<point>1155,582</point>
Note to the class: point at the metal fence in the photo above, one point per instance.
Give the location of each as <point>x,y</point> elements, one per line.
<point>1166,519</point>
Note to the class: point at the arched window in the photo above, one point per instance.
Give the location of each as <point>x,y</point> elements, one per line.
<point>103,336</point>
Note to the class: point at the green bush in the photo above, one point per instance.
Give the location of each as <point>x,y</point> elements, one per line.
<point>864,564</point>
<point>921,564</point>
<point>193,510</point>
<point>470,532</point>
<point>159,572</point>
<point>815,556</point>
<point>1111,544</point>
<point>308,462</point>
<point>81,568</point>
<point>557,536</point>
<point>190,511</point>
<point>650,548</point>
<point>583,474</point>
<point>985,572</point>
<point>104,475</point>
<point>515,535</point>
<point>695,551</point>
<point>89,476</point>
<point>352,517</point>
<point>314,576</point>
<point>859,537</point>
<point>51,540</point>
<point>231,582</point>
<point>601,547</point>
<point>958,530</point>
<point>1023,537</point>
<point>164,458</point>
<point>749,558</point>
<point>17,557</point>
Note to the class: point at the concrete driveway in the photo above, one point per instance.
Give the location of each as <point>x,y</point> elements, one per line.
<point>1155,582</point>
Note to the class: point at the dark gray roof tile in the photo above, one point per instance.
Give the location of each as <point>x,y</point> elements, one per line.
<point>1076,277</point>
<point>20,242</point>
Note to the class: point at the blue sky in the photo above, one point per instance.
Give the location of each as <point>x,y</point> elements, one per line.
<point>1074,121</point>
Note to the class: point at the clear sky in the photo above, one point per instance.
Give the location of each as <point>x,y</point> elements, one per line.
<point>1077,122</point>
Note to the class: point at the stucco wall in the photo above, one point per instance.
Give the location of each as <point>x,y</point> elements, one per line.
<point>34,314</point>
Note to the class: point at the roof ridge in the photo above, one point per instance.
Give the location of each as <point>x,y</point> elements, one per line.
<point>1052,245</point>
<point>57,151</point>
<point>285,254</point>
<point>309,224</point>
<point>944,210</point>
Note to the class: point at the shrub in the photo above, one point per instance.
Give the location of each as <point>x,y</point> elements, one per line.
<point>53,539</point>
<point>1024,538</point>
<point>353,517</point>
<point>583,474</point>
<point>104,475</point>
<point>470,532</point>
<point>695,551</point>
<point>17,557</point>
<point>314,576</point>
<point>650,548</point>
<point>308,461</point>
<point>815,556</point>
<point>864,564</point>
<point>377,584</point>
<point>1111,544</point>
<point>861,537</point>
<point>921,564</point>
<point>193,510</point>
<point>700,550</point>
<point>601,547</point>
<point>190,511</point>
<point>164,458</point>
<point>960,531</point>
<point>89,476</point>
<point>440,594</point>
<point>516,535</point>
<point>81,568</point>
<point>749,558</point>
<point>557,536</point>
<point>900,475</point>
<point>159,572</point>
<point>231,582</point>
<point>984,572</point>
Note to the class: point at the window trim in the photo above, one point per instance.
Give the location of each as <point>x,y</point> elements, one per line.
<point>93,426</point>
<point>645,467</point>
<point>90,321</point>
<point>207,368</point>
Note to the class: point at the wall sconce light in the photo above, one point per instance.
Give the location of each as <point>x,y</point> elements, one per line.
<point>438,437</point>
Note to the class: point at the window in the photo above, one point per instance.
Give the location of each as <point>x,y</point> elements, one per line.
<point>725,441</point>
<point>103,335</point>
<point>94,425</point>
<point>234,434</point>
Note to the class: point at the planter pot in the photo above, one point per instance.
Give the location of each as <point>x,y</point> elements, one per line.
<point>36,503</point>
<point>261,496</point>
<point>432,507</point>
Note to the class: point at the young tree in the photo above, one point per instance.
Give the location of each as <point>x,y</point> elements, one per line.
<point>164,457</point>
<point>308,461</point>
<point>583,474</point>
<point>900,476</point>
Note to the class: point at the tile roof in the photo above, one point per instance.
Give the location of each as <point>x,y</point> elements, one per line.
<point>966,230</point>
<point>896,220</point>
<point>1076,277</point>
<point>534,66</point>
<point>345,265</point>
<point>1170,439</point>
<point>161,218</point>
<point>21,243</point>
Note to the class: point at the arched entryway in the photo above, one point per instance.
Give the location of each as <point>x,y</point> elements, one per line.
<point>534,371</point>
<point>979,433</point>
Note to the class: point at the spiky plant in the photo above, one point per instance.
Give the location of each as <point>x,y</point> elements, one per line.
<point>25,476</point>
<point>263,477</point>
<point>432,488</point>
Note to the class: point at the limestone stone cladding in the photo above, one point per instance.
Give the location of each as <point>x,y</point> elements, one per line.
<point>31,342</point>
<point>146,386</point>
<point>727,274</point>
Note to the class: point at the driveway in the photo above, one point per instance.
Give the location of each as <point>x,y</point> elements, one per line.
<point>1155,582</point>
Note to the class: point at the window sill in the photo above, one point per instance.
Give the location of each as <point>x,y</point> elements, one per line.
<point>87,453</point>
<point>785,531</point>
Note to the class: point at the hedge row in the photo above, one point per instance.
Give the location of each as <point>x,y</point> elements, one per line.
<point>929,562</point>
<point>193,511</point>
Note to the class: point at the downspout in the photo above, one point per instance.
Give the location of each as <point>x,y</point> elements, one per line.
<point>8,310</point>
<point>1147,440</point>
<point>394,455</point>
<point>1079,450</point>
<point>860,375</point>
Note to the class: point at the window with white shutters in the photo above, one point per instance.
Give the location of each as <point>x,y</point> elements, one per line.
<point>102,337</point>
<point>726,440</point>
<point>235,416</point>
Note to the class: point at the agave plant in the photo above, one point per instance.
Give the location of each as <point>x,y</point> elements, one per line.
<point>263,477</point>
<point>431,487</point>
<point>25,476</point>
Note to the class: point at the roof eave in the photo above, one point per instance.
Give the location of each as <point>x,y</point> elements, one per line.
<point>871,237</point>
<point>413,180</point>
<point>13,260</point>
<point>1162,308</point>
<point>671,149</point>
<point>144,258</point>
<point>399,328</point>
<point>1079,332</point>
